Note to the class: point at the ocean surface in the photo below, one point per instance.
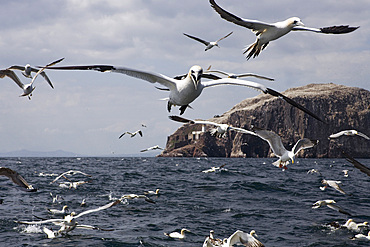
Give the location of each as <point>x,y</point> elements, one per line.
<point>248,194</point>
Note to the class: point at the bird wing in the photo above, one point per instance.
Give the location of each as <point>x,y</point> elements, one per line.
<point>121,135</point>
<point>140,133</point>
<point>240,237</point>
<point>303,144</point>
<point>184,120</point>
<point>40,222</point>
<point>17,67</point>
<point>257,76</point>
<point>111,204</point>
<point>327,30</point>
<point>41,70</point>
<point>16,178</point>
<point>251,24</point>
<point>144,75</point>
<point>69,172</point>
<point>273,139</point>
<point>11,75</point>
<point>336,135</point>
<point>336,186</point>
<point>356,164</point>
<point>224,37</point>
<point>337,208</point>
<point>93,227</point>
<point>363,135</point>
<point>197,39</point>
<point>218,71</point>
<point>244,131</point>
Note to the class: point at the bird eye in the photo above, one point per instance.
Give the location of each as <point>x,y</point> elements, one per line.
<point>295,22</point>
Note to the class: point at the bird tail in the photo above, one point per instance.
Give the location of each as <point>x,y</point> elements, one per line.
<point>49,232</point>
<point>254,49</point>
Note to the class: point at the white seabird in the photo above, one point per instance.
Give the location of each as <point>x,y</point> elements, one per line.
<point>69,223</point>
<point>17,179</point>
<point>132,134</point>
<point>186,90</point>
<point>356,164</point>
<point>267,32</point>
<point>208,44</point>
<point>151,192</point>
<point>238,237</point>
<point>349,133</point>
<point>353,226</point>
<point>214,169</point>
<point>71,185</point>
<point>28,88</point>
<point>333,184</point>
<point>329,204</point>
<point>156,147</point>
<point>211,241</point>
<point>220,130</point>
<point>345,173</point>
<point>70,172</point>
<point>362,236</point>
<point>274,140</point>
<point>26,71</point>
<point>179,235</point>
<point>63,211</point>
<point>135,196</point>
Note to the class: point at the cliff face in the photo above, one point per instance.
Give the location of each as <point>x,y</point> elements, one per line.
<point>340,106</point>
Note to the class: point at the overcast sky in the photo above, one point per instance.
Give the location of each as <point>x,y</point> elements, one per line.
<point>88,110</point>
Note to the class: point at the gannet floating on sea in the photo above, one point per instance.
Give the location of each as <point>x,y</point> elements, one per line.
<point>135,196</point>
<point>132,134</point>
<point>70,172</point>
<point>333,184</point>
<point>208,44</point>
<point>17,179</point>
<point>184,91</point>
<point>267,32</point>
<point>362,236</point>
<point>179,235</point>
<point>214,169</point>
<point>63,211</point>
<point>156,147</point>
<point>69,223</point>
<point>353,226</point>
<point>329,204</point>
<point>345,173</point>
<point>349,133</point>
<point>274,140</point>
<point>151,192</point>
<point>220,130</point>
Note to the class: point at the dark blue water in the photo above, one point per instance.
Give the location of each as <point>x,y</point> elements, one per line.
<point>251,194</point>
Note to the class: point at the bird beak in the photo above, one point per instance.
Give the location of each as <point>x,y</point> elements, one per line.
<point>195,78</point>
<point>300,23</point>
<point>292,161</point>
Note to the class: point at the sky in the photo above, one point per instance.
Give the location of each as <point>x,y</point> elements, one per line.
<point>87,111</point>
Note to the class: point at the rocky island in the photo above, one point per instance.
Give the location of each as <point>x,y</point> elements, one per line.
<point>341,107</point>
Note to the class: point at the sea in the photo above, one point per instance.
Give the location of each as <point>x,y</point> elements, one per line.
<point>246,194</point>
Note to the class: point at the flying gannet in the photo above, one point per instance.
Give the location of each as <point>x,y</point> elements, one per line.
<point>329,204</point>
<point>186,90</point>
<point>17,179</point>
<point>220,130</point>
<point>276,145</point>
<point>349,133</point>
<point>26,71</point>
<point>267,32</point>
<point>132,134</point>
<point>73,185</point>
<point>70,172</point>
<point>69,223</point>
<point>179,235</point>
<point>333,184</point>
<point>238,237</point>
<point>156,147</point>
<point>28,88</point>
<point>209,45</point>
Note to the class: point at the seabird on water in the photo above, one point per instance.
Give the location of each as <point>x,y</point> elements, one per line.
<point>208,44</point>
<point>184,91</point>
<point>267,32</point>
<point>329,204</point>
<point>63,211</point>
<point>349,133</point>
<point>353,226</point>
<point>274,140</point>
<point>214,169</point>
<point>132,134</point>
<point>17,179</point>
<point>179,235</point>
<point>238,237</point>
<point>362,236</point>
<point>135,196</point>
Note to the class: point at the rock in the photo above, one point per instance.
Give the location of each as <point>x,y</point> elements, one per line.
<point>340,106</point>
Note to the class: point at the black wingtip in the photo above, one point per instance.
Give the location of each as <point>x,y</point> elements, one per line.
<point>338,29</point>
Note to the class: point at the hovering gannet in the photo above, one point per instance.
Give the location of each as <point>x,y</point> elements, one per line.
<point>214,169</point>
<point>28,88</point>
<point>70,172</point>
<point>26,71</point>
<point>69,223</point>
<point>134,196</point>
<point>238,237</point>
<point>132,134</point>
<point>184,91</point>
<point>151,148</point>
<point>237,76</point>
<point>329,204</point>
<point>267,32</point>
<point>356,164</point>
<point>210,44</point>
<point>71,185</point>
<point>333,184</point>
<point>220,130</point>
<point>353,226</point>
<point>17,179</point>
<point>63,211</point>
<point>274,140</point>
<point>349,133</point>
<point>180,235</point>
<point>362,236</point>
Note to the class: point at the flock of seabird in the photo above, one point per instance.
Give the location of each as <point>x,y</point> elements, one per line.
<point>183,90</point>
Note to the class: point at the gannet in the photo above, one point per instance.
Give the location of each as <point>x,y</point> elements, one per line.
<point>151,192</point>
<point>237,76</point>
<point>353,226</point>
<point>63,211</point>
<point>220,130</point>
<point>274,140</point>
<point>211,241</point>
<point>83,203</point>
<point>349,133</point>
<point>243,238</point>
<point>333,184</point>
<point>135,196</point>
<point>209,45</point>
<point>184,91</point>
<point>152,148</point>
<point>356,164</point>
<point>56,198</point>
<point>70,172</point>
<point>71,185</point>
<point>132,134</point>
<point>312,171</point>
<point>362,236</point>
<point>28,88</point>
<point>180,235</point>
<point>329,204</point>
<point>267,32</point>
<point>69,223</point>
<point>345,173</point>
<point>26,71</point>
<point>214,169</point>
<point>11,75</point>
<point>17,179</point>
